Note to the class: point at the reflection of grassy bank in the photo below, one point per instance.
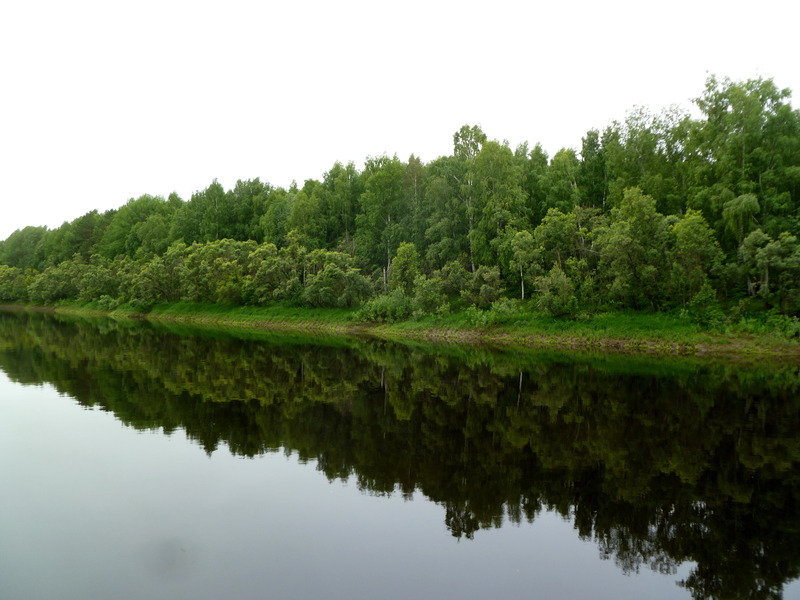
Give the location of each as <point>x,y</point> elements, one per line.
<point>647,333</point>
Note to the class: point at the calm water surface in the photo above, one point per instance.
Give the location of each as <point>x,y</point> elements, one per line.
<point>138,463</point>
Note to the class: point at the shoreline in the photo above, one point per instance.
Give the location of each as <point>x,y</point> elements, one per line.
<point>497,336</point>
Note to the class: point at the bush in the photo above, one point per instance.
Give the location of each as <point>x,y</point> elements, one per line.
<point>501,311</point>
<point>334,288</point>
<point>106,302</point>
<point>429,297</point>
<point>484,287</point>
<point>782,324</point>
<point>477,317</point>
<point>13,284</point>
<point>60,282</point>
<point>704,309</point>
<point>390,307</point>
<point>557,293</point>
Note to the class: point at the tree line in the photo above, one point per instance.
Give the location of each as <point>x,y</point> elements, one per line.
<point>660,211</point>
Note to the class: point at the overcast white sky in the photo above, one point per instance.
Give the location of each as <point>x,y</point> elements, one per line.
<point>104,101</point>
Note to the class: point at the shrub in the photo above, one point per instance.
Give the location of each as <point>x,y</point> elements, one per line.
<point>334,288</point>
<point>557,293</point>
<point>703,308</point>
<point>484,287</point>
<point>390,307</point>
<point>429,296</point>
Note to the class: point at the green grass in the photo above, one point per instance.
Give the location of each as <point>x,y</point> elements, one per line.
<point>661,333</point>
<point>623,325</point>
<point>513,326</point>
<point>271,313</point>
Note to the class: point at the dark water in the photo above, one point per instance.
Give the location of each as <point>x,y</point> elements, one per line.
<point>139,463</point>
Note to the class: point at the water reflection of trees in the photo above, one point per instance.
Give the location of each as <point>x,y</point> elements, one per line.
<point>658,463</point>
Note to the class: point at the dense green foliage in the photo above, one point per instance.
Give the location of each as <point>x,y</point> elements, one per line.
<point>659,212</point>
<point>660,462</point>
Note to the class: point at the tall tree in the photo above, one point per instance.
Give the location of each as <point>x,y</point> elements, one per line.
<point>343,186</point>
<point>308,213</point>
<point>499,194</point>
<point>241,210</point>
<point>119,236</point>
<point>203,218</point>
<point>634,257</point>
<point>467,143</point>
<point>414,189</point>
<point>273,223</point>
<point>591,179</point>
<point>561,181</point>
<point>695,255</point>
<point>19,249</point>
<point>446,219</point>
<point>524,250</point>
<point>383,223</point>
<point>749,143</point>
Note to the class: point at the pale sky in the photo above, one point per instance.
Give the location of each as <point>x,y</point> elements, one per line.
<point>105,101</point>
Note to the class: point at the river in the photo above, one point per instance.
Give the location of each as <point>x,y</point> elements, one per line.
<point>150,462</point>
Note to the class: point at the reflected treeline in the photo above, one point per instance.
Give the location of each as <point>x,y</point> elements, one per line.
<point>659,462</point>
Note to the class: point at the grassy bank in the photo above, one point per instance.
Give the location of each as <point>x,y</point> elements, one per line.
<point>645,333</point>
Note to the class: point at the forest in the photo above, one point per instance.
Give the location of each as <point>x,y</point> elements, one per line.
<point>664,211</point>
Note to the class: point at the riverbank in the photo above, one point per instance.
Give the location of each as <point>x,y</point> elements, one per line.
<point>638,333</point>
